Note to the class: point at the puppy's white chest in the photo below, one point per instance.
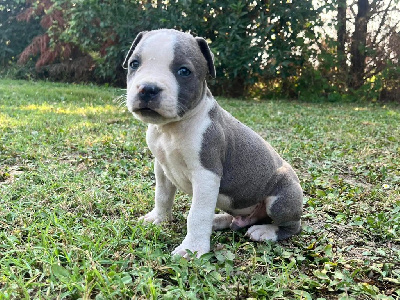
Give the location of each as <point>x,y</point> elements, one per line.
<point>175,157</point>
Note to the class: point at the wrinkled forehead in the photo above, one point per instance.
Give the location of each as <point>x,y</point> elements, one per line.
<point>167,46</point>
<point>156,46</point>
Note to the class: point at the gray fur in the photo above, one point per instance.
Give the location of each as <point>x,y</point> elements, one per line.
<point>207,55</point>
<point>133,47</point>
<point>246,163</point>
<point>192,88</point>
<point>251,170</point>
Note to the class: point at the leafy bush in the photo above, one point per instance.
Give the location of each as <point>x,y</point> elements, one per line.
<point>252,40</point>
<point>14,35</point>
<point>262,48</point>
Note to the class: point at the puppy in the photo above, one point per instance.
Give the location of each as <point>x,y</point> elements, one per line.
<point>202,150</point>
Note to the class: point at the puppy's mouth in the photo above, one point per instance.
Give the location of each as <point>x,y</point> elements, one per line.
<point>147,112</point>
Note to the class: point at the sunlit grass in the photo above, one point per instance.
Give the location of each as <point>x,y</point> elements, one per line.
<point>75,175</point>
<point>72,110</point>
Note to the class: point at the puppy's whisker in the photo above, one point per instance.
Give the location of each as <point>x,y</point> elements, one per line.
<point>120,100</point>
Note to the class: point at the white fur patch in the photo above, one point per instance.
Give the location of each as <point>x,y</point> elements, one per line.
<point>177,145</point>
<point>155,69</point>
<point>201,214</point>
<point>222,221</point>
<point>155,217</point>
<point>269,202</point>
<point>165,192</point>
<point>225,203</point>
<point>264,232</point>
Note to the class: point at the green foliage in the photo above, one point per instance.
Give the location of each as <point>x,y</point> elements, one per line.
<point>263,49</point>
<point>106,31</point>
<point>384,85</point>
<point>75,175</point>
<point>14,35</point>
<point>252,40</point>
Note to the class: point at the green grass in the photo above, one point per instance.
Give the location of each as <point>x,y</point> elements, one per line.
<point>75,175</point>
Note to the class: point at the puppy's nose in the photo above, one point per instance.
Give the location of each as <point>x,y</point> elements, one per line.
<point>148,92</point>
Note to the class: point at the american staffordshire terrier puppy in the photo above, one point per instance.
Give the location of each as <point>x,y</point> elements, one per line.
<point>202,150</point>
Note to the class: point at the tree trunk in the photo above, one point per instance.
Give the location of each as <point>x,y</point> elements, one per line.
<point>358,45</point>
<point>341,33</point>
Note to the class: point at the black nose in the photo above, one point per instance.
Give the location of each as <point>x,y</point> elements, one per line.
<point>148,92</point>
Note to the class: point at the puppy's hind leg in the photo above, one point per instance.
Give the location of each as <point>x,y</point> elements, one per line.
<point>285,210</point>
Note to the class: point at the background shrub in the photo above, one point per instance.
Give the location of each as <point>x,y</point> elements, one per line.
<point>262,48</point>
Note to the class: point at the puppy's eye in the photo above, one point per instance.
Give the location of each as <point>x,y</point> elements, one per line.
<point>134,64</point>
<point>184,72</point>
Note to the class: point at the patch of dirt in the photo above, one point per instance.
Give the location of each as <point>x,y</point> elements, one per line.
<point>10,175</point>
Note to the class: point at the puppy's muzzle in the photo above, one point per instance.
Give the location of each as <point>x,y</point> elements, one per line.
<point>149,99</point>
<point>148,92</point>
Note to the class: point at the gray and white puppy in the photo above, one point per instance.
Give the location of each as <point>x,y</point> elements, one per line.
<point>204,151</point>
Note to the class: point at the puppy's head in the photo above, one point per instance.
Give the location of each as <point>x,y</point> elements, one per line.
<point>166,75</point>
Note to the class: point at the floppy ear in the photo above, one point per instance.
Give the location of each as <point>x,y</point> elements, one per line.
<point>133,46</point>
<point>207,55</point>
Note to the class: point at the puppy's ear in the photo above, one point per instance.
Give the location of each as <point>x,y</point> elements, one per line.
<point>207,54</point>
<point>133,46</point>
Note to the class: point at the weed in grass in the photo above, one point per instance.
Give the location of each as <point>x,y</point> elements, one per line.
<point>75,175</point>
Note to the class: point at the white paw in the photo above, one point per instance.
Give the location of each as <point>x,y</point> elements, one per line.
<point>264,232</point>
<point>221,221</point>
<point>198,247</point>
<point>155,217</point>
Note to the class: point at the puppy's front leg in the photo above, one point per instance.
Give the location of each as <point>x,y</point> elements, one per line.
<point>200,219</point>
<point>165,193</point>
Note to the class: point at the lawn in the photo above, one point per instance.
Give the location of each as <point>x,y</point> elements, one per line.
<point>76,174</point>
